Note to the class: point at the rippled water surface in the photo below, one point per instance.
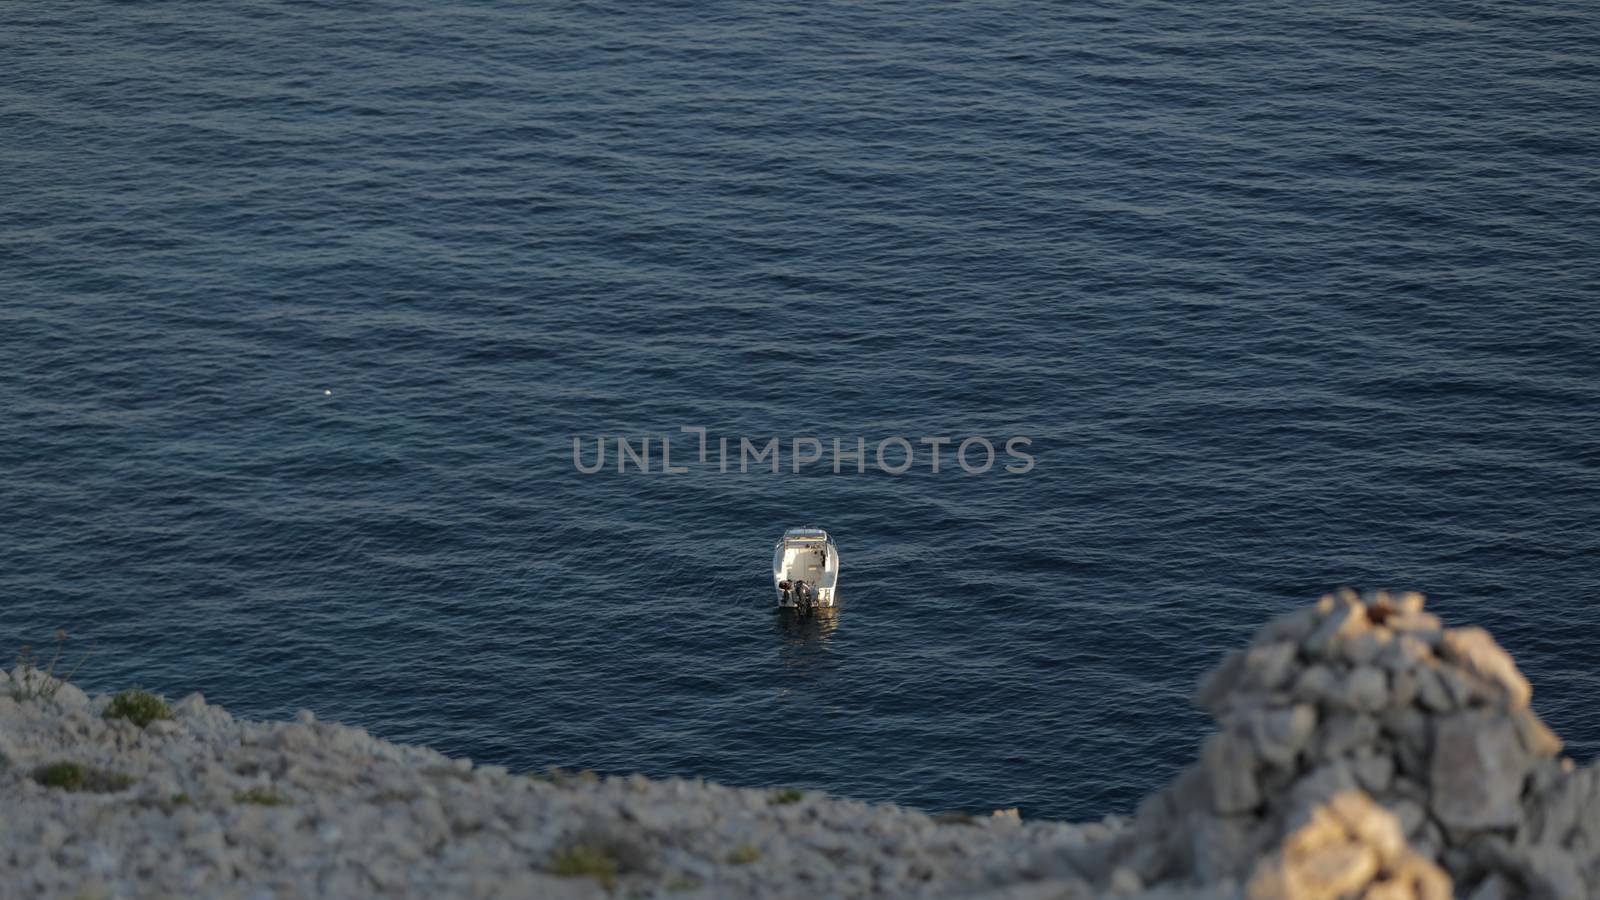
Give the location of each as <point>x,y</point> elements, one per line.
<point>1287,295</point>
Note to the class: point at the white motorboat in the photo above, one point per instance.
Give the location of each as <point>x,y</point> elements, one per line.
<point>805,569</point>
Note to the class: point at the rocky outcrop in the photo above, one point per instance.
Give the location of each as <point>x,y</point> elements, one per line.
<point>1361,750</point>
<point>205,805</point>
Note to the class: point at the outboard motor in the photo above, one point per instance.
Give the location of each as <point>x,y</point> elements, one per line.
<point>803,597</point>
<point>784,586</point>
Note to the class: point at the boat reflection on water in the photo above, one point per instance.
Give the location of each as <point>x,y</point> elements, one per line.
<point>806,637</point>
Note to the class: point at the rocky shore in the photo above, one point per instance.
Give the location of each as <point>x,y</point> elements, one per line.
<point>1362,750</point>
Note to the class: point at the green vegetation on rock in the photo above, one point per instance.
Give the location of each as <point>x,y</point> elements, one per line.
<point>788,795</point>
<point>742,854</point>
<point>73,776</point>
<point>261,796</point>
<point>586,860</point>
<point>139,707</point>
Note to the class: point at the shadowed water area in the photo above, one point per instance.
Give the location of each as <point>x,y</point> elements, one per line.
<point>1286,295</point>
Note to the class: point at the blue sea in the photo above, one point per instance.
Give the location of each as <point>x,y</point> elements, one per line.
<point>302,305</point>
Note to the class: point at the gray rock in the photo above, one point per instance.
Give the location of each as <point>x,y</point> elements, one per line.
<point>1365,689</point>
<point>1280,734</point>
<point>1230,770</point>
<point>1323,784</point>
<point>1431,691</point>
<point>1220,848</point>
<point>1374,771</point>
<point>1495,887</point>
<point>1402,689</point>
<point>1551,874</point>
<point>1477,771</point>
<point>1343,733</point>
<point>1463,687</point>
<point>1317,684</point>
<point>1190,791</point>
<point>1409,730</point>
<point>1365,648</point>
<point>70,696</point>
<point>1219,682</point>
<point>1270,666</point>
<point>1548,771</point>
<point>1404,652</point>
<point>1408,813</point>
<point>162,727</point>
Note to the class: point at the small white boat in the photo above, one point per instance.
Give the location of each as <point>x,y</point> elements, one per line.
<point>805,569</point>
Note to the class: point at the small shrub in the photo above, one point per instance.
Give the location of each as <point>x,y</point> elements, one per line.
<point>788,795</point>
<point>42,684</point>
<point>66,775</point>
<point>683,883</point>
<point>743,854</point>
<point>139,707</point>
<point>600,854</point>
<point>74,777</point>
<point>261,796</point>
<point>585,860</point>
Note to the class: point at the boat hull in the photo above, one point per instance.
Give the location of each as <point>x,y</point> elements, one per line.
<point>805,556</point>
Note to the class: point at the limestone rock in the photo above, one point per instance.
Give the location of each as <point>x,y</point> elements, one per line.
<point>1425,627</point>
<point>1345,621</point>
<point>1537,738</point>
<point>1334,870</point>
<point>1409,602</point>
<point>1474,650</point>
